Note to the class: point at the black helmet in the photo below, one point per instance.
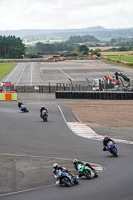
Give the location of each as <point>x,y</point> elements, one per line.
<point>75,161</point>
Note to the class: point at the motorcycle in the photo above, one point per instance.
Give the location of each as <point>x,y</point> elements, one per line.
<point>23,108</point>
<point>112,149</point>
<point>44,116</point>
<point>86,171</point>
<point>66,179</point>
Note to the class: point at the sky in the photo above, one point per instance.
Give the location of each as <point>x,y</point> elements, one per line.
<point>65,14</point>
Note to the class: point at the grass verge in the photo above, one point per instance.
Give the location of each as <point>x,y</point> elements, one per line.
<point>117,62</point>
<point>5,69</point>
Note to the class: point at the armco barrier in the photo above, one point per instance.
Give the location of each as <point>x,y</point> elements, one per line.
<point>94,95</point>
<point>8,96</point>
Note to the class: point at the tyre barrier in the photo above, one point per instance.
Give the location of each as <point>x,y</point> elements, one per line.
<point>94,95</point>
<point>8,96</point>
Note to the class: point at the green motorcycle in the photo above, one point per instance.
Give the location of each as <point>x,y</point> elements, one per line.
<point>86,171</point>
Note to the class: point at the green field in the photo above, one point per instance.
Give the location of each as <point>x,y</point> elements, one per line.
<point>122,58</point>
<point>5,68</point>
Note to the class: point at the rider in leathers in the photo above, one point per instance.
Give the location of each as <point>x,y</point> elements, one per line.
<point>105,141</point>
<point>55,171</point>
<point>77,162</point>
<point>41,109</point>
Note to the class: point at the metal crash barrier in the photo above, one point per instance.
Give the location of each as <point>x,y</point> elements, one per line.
<point>8,96</point>
<point>94,95</point>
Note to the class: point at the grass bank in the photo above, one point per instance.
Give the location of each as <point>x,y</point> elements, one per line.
<point>122,58</point>
<point>125,61</point>
<point>5,69</point>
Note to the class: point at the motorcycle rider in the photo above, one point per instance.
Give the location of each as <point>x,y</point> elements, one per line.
<point>105,141</point>
<point>55,171</point>
<point>20,104</point>
<point>77,162</point>
<point>41,109</point>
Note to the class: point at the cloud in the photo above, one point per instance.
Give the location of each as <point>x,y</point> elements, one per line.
<point>58,14</point>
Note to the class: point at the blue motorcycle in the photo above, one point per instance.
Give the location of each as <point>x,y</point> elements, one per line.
<point>23,108</point>
<point>112,149</point>
<point>66,179</point>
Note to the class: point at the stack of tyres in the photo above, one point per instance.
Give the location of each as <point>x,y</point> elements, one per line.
<point>79,95</point>
<point>94,95</point>
<point>67,95</point>
<point>118,96</point>
<point>88,95</point>
<point>102,95</point>
<point>82,95</point>
<point>110,96</point>
<point>126,96</point>
<point>105,95</point>
<point>130,95</point>
<point>75,95</point>
<point>97,95</point>
<point>122,96</point>
<point>61,94</point>
<point>85,95</point>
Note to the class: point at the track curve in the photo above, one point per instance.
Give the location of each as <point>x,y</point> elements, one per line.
<point>25,133</point>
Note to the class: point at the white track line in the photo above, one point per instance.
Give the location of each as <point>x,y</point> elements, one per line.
<point>31,74</point>
<point>12,72</point>
<point>21,74</point>
<point>65,73</point>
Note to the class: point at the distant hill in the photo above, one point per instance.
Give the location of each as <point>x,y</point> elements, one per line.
<point>64,34</point>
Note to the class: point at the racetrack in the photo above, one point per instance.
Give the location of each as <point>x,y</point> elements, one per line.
<point>32,146</point>
<point>26,134</point>
<point>35,73</point>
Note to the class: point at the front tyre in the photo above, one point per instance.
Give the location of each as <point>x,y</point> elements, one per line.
<point>66,181</point>
<point>76,181</point>
<point>114,152</point>
<point>87,174</point>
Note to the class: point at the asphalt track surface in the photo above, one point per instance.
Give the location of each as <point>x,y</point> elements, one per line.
<point>35,73</point>
<point>26,134</point>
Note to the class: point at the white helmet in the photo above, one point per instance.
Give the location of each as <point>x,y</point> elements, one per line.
<point>55,165</point>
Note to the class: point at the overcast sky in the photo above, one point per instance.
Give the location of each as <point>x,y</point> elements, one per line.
<point>65,14</point>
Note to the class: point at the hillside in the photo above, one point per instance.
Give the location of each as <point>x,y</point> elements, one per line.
<point>64,34</point>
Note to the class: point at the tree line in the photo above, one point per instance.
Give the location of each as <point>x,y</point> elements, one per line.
<point>50,48</point>
<point>11,47</point>
<point>83,39</point>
